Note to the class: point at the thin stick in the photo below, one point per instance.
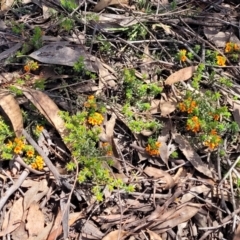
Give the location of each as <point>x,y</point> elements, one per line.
<point>13,188</point>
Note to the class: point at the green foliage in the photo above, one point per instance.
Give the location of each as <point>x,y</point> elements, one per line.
<point>13,89</point>
<point>136,32</point>
<point>174,154</point>
<point>173,4</point>
<point>226,81</point>
<point>67,24</point>
<point>17,28</point>
<point>82,141</point>
<point>138,94</point>
<point>197,76</point>
<point>69,5</point>
<point>79,67</point>
<point>36,39</point>
<point>40,84</point>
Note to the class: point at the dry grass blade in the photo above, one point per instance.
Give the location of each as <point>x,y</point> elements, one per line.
<point>13,111</point>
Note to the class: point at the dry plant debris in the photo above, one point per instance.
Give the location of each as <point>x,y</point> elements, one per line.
<point>119,120</point>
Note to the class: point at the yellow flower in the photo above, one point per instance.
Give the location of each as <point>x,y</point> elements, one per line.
<point>182,55</point>
<point>18,141</point>
<point>17,149</point>
<point>39,128</point>
<point>236,47</point>
<point>153,150</point>
<point>213,132</point>
<point>27,68</point>
<point>228,47</point>
<point>91,97</point>
<point>34,165</point>
<point>221,61</point>
<point>95,119</point>
<point>39,162</point>
<point>30,153</point>
<point>193,124</point>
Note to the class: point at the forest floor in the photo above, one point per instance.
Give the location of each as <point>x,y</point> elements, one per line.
<point>120,120</point>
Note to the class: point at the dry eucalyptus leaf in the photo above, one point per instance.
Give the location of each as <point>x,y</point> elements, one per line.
<point>165,177</point>
<point>217,37</point>
<point>106,78</point>
<point>155,106</point>
<point>167,107</point>
<point>34,214</point>
<point>6,4</point>
<point>105,3</point>
<point>197,190</point>
<point>16,213</point>
<point>182,214</point>
<point>47,107</point>
<point>237,233</point>
<point>8,77</point>
<point>191,155</point>
<point>115,235</point>
<point>13,111</point>
<point>153,235</point>
<point>63,53</point>
<point>181,75</point>
<point>20,232</point>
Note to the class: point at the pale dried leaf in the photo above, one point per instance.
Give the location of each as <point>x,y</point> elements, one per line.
<point>167,107</point>
<point>165,177</point>
<point>106,78</point>
<point>6,4</point>
<point>182,214</point>
<point>155,106</point>
<point>115,235</point>
<point>5,220</point>
<point>13,111</point>
<point>110,124</point>
<point>236,112</point>
<point>34,214</point>
<point>197,190</point>
<point>16,213</point>
<point>57,229</point>
<point>181,75</point>
<point>29,196</point>
<point>9,229</point>
<point>8,77</point>
<point>20,232</point>
<point>192,156</point>
<point>166,28</point>
<point>153,235</point>
<point>104,3</point>
<point>47,107</point>
<point>217,37</point>
<point>45,232</point>
<point>237,233</point>
<point>147,133</point>
<point>146,60</point>
<point>166,151</point>
<point>37,191</point>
